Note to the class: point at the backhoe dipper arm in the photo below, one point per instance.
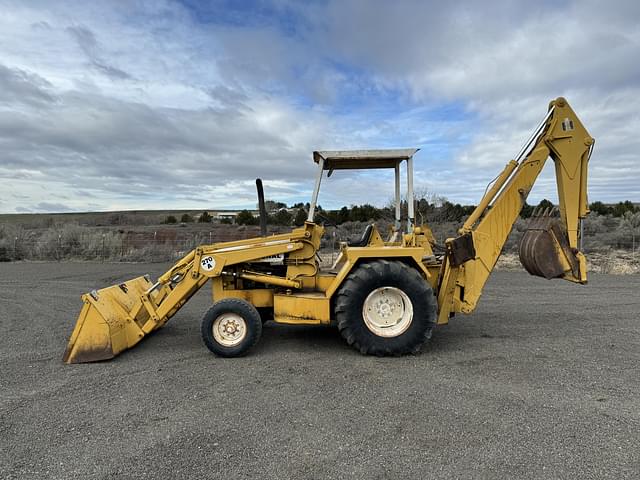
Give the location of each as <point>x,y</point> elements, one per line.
<point>473,255</point>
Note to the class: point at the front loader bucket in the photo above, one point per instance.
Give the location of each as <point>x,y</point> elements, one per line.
<point>111,320</point>
<point>545,250</point>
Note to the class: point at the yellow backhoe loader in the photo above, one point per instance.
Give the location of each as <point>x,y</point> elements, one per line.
<point>385,296</point>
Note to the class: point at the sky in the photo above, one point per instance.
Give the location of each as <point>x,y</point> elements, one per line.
<point>130,105</point>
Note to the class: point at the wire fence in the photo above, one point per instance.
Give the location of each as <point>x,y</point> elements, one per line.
<point>157,246</point>
<point>108,246</point>
<point>104,249</point>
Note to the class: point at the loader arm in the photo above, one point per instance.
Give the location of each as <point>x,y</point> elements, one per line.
<point>116,318</point>
<point>552,248</point>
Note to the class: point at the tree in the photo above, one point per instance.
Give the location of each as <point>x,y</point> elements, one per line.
<point>245,217</point>
<point>423,211</point>
<point>620,208</point>
<point>600,208</point>
<point>171,219</point>
<point>272,206</point>
<point>186,218</point>
<point>281,217</point>
<point>300,218</point>
<point>527,210</point>
<point>631,224</point>
<point>364,213</point>
<point>544,204</point>
<point>343,215</point>
<point>204,217</point>
<point>337,217</point>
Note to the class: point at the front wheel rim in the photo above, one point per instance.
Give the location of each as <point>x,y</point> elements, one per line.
<point>229,329</point>
<point>387,312</point>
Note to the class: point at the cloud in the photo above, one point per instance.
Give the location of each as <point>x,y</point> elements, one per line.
<point>20,87</point>
<point>51,207</point>
<point>146,155</point>
<point>89,45</point>
<point>149,105</point>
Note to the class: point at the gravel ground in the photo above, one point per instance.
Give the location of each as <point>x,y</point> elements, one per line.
<point>542,381</point>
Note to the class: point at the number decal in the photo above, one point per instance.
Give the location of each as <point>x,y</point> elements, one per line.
<point>208,263</point>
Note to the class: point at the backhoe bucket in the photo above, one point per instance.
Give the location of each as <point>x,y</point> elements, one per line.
<point>111,320</point>
<point>545,250</point>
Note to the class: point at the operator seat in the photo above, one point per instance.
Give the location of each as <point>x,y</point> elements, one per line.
<point>364,240</point>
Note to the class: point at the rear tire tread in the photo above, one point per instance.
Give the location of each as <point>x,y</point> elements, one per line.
<point>370,275</point>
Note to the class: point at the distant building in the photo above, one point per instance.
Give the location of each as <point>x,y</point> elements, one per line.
<point>229,214</point>
<point>224,215</point>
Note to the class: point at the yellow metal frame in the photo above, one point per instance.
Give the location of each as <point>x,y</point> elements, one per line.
<point>116,318</point>
<point>564,138</point>
<point>298,304</point>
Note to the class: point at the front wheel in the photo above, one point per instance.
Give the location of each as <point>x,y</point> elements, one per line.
<point>385,308</point>
<point>231,327</point>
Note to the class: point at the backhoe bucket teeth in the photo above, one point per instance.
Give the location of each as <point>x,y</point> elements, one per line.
<point>545,251</point>
<point>111,320</point>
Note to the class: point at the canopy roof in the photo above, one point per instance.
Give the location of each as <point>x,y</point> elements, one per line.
<point>363,159</point>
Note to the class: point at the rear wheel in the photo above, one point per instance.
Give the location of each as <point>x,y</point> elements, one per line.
<point>231,327</point>
<point>385,308</point>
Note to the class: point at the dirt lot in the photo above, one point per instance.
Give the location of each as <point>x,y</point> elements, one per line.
<point>541,382</point>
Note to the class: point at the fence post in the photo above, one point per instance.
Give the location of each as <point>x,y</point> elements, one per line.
<point>103,248</point>
<point>15,248</point>
<point>333,245</point>
<point>59,246</point>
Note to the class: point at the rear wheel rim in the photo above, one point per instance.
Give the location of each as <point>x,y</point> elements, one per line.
<point>387,312</point>
<point>229,329</point>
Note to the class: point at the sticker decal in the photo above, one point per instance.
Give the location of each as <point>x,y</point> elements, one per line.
<point>279,258</point>
<point>567,125</point>
<point>208,264</point>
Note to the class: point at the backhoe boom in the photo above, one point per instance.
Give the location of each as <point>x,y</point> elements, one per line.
<point>553,248</point>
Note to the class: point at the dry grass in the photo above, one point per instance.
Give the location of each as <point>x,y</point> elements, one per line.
<point>611,262</point>
<point>510,262</point>
<point>77,237</point>
<point>614,262</point>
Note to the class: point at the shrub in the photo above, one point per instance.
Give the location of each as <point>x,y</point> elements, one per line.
<point>245,217</point>
<point>205,217</point>
<point>281,217</point>
<point>300,218</point>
